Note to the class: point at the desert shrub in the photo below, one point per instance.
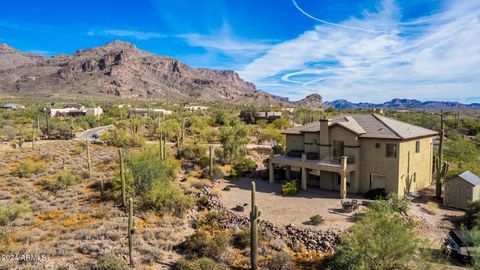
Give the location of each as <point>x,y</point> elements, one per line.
<point>151,180</point>
<point>210,220</point>
<point>471,218</point>
<point>246,165</point>
<point>193,152</point>
<point>278,149</point>
<point>203,244</point>
<point>121,138</point>
<point>200,264</point>
<point>316,220</point>
<point>234,139</point>
<point>204,162</point>
<point>217,173</point>
<point>241,238</point>
<point>281,261</point>
<point>111,261</point>
<point>64,179</point>
<point>11,211</point>
<point>377,241</point>
<point>30,167</point>
<point>290,188</point>
<point>432,208</point>
<point>203,201</point>
<point>199,184</point>
<point>376,194</point>
<point>85,174</point>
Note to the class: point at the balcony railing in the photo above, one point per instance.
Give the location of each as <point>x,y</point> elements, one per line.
<point>314,157</point>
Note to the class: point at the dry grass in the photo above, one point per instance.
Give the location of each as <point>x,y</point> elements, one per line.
<point>432,208</point>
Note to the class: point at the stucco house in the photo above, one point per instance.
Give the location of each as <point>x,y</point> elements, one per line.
<point>357,153</point>
<point>73,110</point>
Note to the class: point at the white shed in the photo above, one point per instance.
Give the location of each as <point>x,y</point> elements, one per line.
<point>461,189</point>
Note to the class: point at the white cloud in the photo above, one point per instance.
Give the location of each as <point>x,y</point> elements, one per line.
<point>126,33</point>
<point>434,57</point>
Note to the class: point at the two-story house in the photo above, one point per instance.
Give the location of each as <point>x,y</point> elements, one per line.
<point>356,153</point>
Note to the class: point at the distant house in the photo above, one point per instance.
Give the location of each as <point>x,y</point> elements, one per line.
<point>252,117</point>
<point>9,106</point>
<point>196,108</point>
<point>461,189</point>
<point>74,110</point>
<point>148,111</point>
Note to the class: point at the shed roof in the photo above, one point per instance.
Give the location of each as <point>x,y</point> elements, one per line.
<point>470,177</point>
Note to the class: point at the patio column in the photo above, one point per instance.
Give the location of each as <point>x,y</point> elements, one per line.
<point>287,172</point>
<point>343,177</point>
<point>304,172</point>
<point>271,172</point>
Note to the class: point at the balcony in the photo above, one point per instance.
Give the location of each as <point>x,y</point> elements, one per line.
<point>312,161</point>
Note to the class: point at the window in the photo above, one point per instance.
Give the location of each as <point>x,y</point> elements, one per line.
<point>377,145</point>
<point>417,147</point>
<point>391,150</point>
<point>338,149</point>
<point>414,177</point>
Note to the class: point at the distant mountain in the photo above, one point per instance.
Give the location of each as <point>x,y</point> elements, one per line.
<point>119,69</point>
<point>311,101</point>
<point>398,103</point>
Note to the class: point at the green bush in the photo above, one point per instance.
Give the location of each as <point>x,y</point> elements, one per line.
<point>11,211</point>
<point>202,244</point>
<point>30,167</point>
<point>316,220</point>
<point>290,188</point>
<point>245,166</point>
<point>193,152</point>
<point>471,219</point>
<point>200,264</point>
<point>217,173</point>
<point>111,261</point>
<point>376,194</point>
<point>65,178</point>
<point>241,238</point>
<point>120,138</point>
<point>281,261</point>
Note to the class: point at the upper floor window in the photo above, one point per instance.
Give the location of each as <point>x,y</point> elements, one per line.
<point>338,149</point>
<point>417,147</point>
<point>391,150</point>
<point>377,145</point>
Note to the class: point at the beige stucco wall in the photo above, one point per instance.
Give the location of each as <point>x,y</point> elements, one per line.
<point>419,163</point>
<point>374,161</point>
<point>294,142</point>
<point>312,141</point>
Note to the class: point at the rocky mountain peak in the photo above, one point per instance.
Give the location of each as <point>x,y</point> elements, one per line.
<point>313,101</point>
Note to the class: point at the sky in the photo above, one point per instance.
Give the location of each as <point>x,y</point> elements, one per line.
<point>363,51</point>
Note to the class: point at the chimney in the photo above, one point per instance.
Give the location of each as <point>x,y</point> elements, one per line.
<point>324,138</point>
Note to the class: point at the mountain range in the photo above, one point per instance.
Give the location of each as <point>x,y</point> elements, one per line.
<point>399,103</point>
<point>119,69</point>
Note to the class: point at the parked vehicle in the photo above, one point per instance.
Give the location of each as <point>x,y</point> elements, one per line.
<point>460,245</point>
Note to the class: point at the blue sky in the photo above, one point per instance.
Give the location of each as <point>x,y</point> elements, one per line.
<point>357,50</point>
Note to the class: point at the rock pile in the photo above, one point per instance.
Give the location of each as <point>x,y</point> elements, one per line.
<point>311,240</point>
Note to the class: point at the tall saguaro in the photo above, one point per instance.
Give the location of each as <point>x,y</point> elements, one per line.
<point>122,177</point>
<point>131,232</point>
<point>254,215</point>
<point>441,166</point>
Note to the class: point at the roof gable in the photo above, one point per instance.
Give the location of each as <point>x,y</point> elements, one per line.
<point>470,177</point>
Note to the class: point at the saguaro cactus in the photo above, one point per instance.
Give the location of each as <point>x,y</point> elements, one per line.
<point>254,215</point>
<point>183,131</point>
<point>210,165</point>
<point>122,177</point>
<point>47,127</point>
<point>89,160</point>
<point>33,137</point>
<point>131,232</point>
<point>441,166</point>
<point>162,146</point>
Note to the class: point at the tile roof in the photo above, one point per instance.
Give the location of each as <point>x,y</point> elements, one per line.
<point>370,126</point>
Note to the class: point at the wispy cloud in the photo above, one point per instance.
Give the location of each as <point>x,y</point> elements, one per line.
<point>127,33</point>
<point>431,57</point>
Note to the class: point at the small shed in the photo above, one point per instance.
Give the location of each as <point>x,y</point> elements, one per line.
<point>461,189</point>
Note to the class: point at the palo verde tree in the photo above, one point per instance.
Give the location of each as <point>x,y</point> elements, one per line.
<point>234,140</point>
